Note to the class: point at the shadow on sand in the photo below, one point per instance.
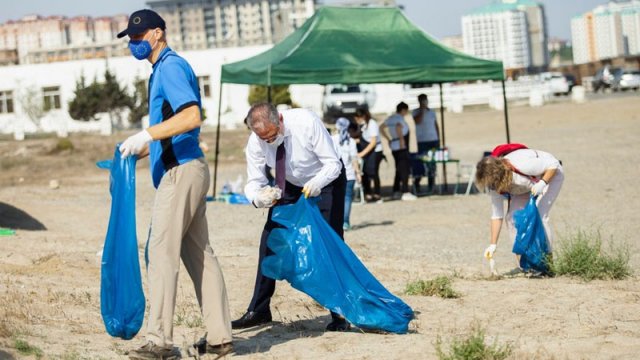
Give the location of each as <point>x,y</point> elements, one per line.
<point>279,332</point>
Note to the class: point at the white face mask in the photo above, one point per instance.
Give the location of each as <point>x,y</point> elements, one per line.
<point>277,141</point>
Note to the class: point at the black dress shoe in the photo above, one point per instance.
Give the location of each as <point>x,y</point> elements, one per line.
<point>338,325</point>
<point>251,318</point>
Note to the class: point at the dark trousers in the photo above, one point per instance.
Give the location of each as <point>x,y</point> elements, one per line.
<point>419,168</point>
<point>331,206</point>
<point>403,168</point>
<point>371,172</point>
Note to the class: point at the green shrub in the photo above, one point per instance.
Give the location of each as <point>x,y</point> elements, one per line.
<point>63,144</point>
<point>472,347</point>
<point>440,286</point>
<point>27,349</point>
<point>581,255</point>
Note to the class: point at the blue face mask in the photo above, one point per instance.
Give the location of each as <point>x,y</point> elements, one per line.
<point>140,49</point>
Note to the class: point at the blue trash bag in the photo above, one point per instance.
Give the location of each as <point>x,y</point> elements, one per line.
<point>531,240</point>
<point>122,301</point>
<point>238,199</point>
<point>312,257</point>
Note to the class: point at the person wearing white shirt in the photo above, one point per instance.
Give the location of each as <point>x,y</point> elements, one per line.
<point>427,134</point>
<point>346,149</point>
<point>294,142</point>
<point>370,151</point>
<point>399,144</point>
<point>514,177</point>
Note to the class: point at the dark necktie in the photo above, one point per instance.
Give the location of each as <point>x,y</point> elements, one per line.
<point>281,174</point>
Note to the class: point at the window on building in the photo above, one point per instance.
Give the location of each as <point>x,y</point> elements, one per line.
<point>204,83</point>
<point>51,97</point>
<point>6,102</point>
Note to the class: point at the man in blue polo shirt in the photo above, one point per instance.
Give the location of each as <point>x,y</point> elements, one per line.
<point>181,176</point>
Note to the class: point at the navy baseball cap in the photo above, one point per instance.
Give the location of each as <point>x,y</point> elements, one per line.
<point>142,20</point>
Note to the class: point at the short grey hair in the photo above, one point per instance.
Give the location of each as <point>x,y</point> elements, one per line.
<point>263,112</point>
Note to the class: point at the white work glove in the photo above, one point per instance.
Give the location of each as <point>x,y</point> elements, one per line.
<point>267,197</point>
<point>311,189</point>
<point>538,188</point>
<point>134,144</point>
<point>488,253</point>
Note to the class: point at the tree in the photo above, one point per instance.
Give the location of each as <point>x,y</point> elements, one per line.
<point>98,97</point>
<point>139,103</point>
<point>87,101</point>
<point>279,94</point>
<point>31,103</point>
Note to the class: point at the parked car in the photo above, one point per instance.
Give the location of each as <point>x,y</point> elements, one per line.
<point>625,80</point>
<point>603,78</point>
<point>344,99</point>
<point>556,82</point>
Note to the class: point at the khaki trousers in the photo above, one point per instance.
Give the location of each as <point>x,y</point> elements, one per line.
<point>179,231</point>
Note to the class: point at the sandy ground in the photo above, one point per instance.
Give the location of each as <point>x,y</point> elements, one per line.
<point>50,279</point>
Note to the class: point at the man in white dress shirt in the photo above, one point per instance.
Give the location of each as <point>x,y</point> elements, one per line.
<point>296,144</point>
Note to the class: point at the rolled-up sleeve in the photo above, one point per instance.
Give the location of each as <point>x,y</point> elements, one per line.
<point>323,147</point>
<point>256,176</point>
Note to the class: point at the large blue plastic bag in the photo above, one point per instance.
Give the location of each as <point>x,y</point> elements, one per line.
<point>531,240</point>
<point>312,257</point>
<point>122,301</point>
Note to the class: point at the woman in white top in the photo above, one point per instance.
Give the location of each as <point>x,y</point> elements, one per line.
<point>346,150</point>
<point>514,177</point>
<point>370,152</point>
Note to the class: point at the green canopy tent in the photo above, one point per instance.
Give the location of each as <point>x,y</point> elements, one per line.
<point>339,45</point>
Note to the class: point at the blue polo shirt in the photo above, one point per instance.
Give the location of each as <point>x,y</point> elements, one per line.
<point>173,86</point>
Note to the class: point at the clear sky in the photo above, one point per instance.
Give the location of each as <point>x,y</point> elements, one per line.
<point>437,17</point>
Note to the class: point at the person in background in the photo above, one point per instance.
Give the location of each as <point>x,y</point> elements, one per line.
<point>514,178</point>
<point>370,151</point>
<point>179,227</point>
<point>296,144</point>
<point>346,149</point>
<point>399,143</point>
<point>427,134</point>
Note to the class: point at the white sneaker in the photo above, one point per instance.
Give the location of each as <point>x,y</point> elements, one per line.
<point>409,197</point>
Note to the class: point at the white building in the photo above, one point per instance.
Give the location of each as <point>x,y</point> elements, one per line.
<point>50,87</point>
<point>204,24</point>
<point>607,31</point>
<point>512,31</point>
<point>631,30</point>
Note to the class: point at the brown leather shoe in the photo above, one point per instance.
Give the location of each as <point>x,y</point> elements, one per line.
<point>151,351</point>
<point>203,347</point>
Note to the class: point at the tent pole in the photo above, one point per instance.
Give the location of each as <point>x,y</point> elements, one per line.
<point>444,141</point>
<point>506,110</point>
<point>215,164</point>
<point>269,84</point>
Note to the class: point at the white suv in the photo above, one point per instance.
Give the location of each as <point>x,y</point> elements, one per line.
<point>343,100</point>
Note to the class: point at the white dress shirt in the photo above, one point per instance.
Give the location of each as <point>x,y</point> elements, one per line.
<point>310,154</point>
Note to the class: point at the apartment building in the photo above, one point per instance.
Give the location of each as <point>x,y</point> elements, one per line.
<point>607,31</point>
<point>35,39</point>
<point>512,31</point>
<point>202,24</point>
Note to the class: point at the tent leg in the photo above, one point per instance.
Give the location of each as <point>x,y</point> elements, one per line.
<point>444,141</point>
<point>269,94</point>
<point>215,164</point>
<point>506,111</point>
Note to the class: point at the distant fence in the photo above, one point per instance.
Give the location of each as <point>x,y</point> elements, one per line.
<point>458,96</point>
